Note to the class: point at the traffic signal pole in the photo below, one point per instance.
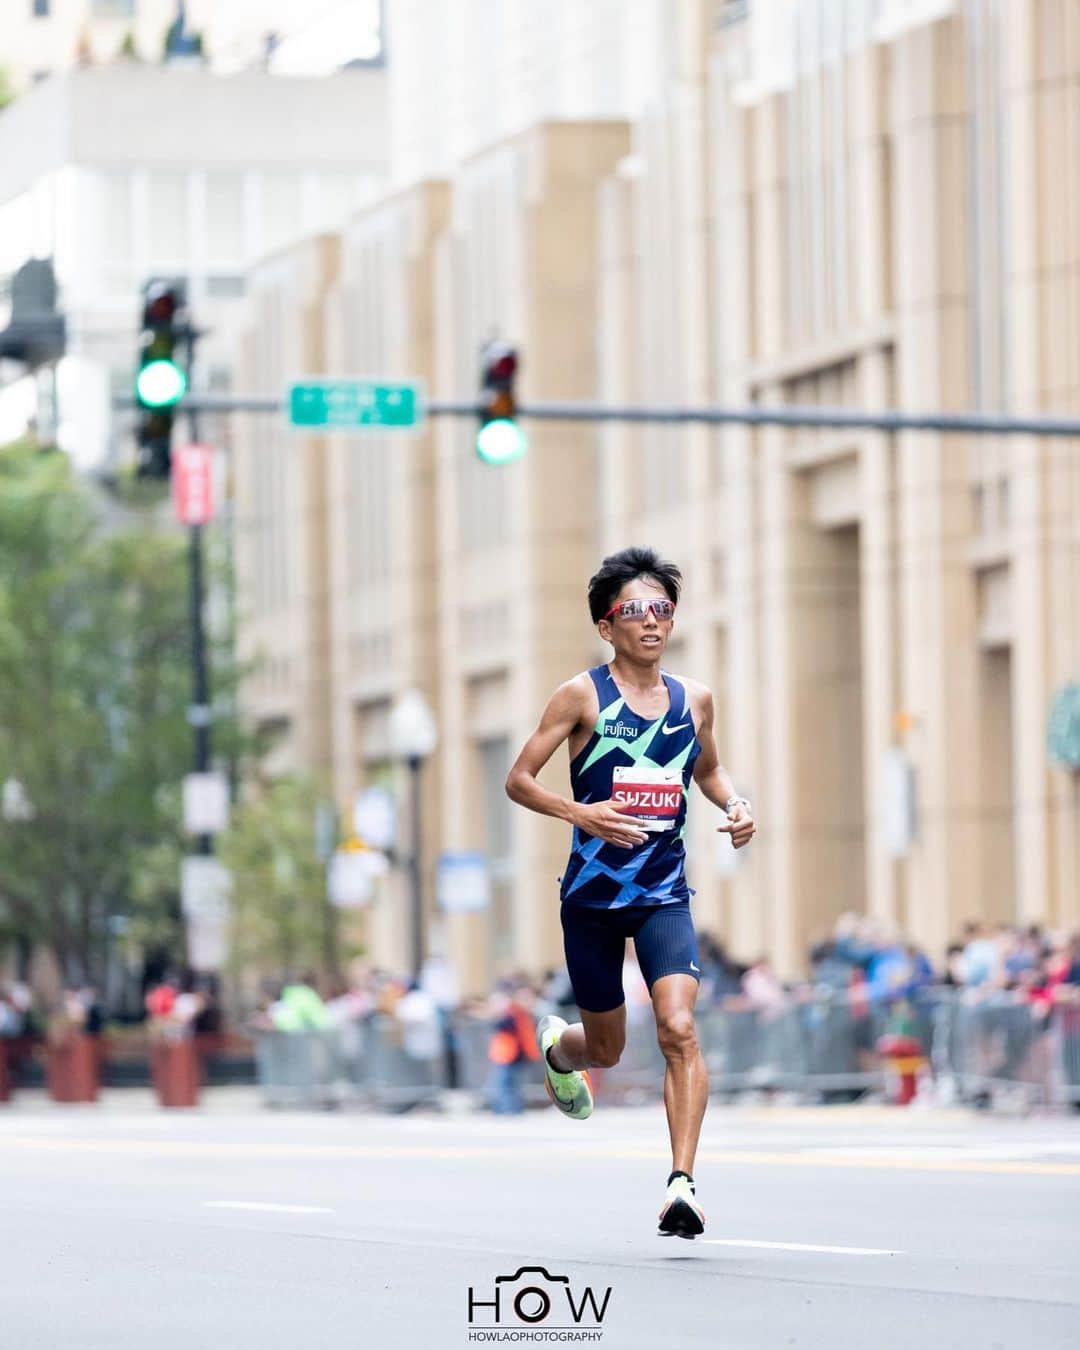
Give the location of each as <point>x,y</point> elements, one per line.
<point>199,713</point>
<point>972,423</point>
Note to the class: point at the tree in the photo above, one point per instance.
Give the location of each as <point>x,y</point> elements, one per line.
<point>94,688</point>
<point>282,920</point>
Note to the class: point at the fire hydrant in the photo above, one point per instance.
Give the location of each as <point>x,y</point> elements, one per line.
<point>904,1056</point>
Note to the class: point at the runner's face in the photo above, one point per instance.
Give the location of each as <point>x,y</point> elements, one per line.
<point>638,639</point>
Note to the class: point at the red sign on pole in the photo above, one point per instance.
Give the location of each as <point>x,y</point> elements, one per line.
<point>193,484</point>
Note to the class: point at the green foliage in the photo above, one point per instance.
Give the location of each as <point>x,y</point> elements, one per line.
<point>94,687</point>
<point>282,921</point>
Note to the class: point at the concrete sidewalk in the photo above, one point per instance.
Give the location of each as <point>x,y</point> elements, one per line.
<point>242,1100</point>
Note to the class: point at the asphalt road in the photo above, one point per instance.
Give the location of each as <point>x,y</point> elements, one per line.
<point>121,1225</point>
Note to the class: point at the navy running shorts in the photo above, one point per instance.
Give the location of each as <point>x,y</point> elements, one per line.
<point>595,941</point>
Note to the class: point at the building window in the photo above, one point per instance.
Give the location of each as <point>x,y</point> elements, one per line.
<point>41,9</point>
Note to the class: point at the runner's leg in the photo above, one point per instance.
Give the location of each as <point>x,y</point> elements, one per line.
<point>686,1079</point>
<point>595,944</point>
<point>595,1042</point>
<point>667,953</point>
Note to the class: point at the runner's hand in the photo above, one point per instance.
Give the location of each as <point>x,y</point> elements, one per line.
<point>603,820</point>
<point>739,824</point>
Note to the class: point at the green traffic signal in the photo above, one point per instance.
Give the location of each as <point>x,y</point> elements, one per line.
<point>160,384</point>
<point>501,441</point>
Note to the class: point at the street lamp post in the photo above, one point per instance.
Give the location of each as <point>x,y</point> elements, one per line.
<point>413,736</point>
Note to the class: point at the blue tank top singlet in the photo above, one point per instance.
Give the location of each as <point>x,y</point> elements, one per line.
<point>648,766</point>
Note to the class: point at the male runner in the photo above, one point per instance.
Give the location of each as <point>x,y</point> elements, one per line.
<point>637,735</point>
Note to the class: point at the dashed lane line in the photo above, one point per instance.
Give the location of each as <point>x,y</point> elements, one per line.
<point>265,1207</point>
<point>800,1247</point>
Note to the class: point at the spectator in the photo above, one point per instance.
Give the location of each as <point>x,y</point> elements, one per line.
<point>556,990</point>
<point>719,972</point>
<point>418,1015</point>
<point>981,955</point>
<point>762,990</point>
<point>11,1019</point>
<point>954,965</point>
<point>512,1044</point>
<point>828,967</point>
<point>209,1021</point>
<point>161,999</point>
<point>437,978</point>
<point>1071,974</point>
<point>300,1008</point>
<point>189,1002</point>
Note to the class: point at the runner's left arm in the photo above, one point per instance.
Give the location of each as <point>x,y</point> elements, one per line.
<point>713,779</point>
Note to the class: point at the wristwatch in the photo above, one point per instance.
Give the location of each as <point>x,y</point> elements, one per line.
<point>736,800</point>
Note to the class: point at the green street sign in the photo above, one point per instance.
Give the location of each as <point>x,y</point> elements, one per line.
<point>348,405</point>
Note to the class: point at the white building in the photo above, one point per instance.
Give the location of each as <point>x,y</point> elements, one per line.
<point>125,172</point>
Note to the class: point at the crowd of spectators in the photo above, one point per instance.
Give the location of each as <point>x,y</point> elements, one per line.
<point>867,960</point>
<point>864,963</point>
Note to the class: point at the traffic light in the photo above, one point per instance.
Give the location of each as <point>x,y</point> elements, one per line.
<point>499,438</point>
<point>160,381</point>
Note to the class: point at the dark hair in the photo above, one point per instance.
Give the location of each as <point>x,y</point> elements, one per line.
<point>627,565</point>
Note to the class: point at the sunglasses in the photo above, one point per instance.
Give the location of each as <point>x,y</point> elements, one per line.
<point>637,609</point>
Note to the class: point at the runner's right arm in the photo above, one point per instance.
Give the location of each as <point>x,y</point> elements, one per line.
<point>565,711</point>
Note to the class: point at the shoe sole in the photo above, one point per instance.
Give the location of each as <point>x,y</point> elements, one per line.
<point>681,1220</point>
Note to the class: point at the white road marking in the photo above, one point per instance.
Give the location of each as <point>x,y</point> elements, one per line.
<point>801,1247</point>
<point>973,1153</point>
<point>267,1208</point>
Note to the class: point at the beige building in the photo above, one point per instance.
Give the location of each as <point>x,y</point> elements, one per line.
<point>787,210</point>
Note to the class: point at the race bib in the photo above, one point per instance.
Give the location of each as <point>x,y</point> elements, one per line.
<point>653,795</point>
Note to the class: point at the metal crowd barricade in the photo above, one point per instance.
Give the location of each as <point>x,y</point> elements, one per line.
<point>402,1072</point>
<point>1000,1045</point>
<point>980,1047</point>
<point>373,1062</point>
<point>296,1068</point>
<point>1065,1033</point>
<point>472,1036</point>
<point>838,1050</point>
<point>751,1049</point>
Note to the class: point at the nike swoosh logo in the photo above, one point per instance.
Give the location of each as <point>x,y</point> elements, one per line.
<point>670,731</point>
<point>693,967</point>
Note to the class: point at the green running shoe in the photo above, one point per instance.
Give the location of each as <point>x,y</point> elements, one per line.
<point>681,1216</point>
<point>571,1092</point>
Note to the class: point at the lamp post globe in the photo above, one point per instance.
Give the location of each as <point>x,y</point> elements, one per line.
<point>413,733</point>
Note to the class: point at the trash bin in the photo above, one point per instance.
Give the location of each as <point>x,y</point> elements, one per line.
<point>73,1070</point>
<point>174,1067</point>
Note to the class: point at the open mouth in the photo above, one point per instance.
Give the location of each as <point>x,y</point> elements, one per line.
<point>651,641</point>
